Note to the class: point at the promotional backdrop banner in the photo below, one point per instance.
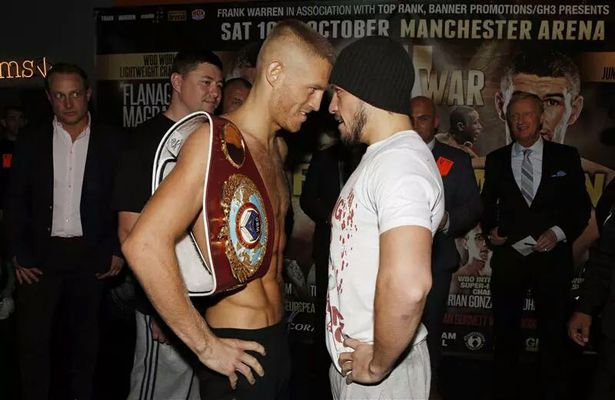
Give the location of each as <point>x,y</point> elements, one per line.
<point>462,54</point>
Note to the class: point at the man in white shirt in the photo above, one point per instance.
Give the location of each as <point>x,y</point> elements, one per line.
<point>62,234</point>
<point>382,230</point>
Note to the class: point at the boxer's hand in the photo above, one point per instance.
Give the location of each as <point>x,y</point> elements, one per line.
<point>229,356</point>
<point>357,365</point>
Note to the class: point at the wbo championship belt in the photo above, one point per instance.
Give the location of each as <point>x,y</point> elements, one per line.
<point>237,214</point>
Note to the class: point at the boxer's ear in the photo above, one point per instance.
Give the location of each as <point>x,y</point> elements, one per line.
<point>274,72</point>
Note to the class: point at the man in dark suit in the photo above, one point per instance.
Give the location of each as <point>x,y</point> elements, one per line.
<point>597,295</point>
<point>463,209</point>
<point>63,234</point>
<point>535,205</point>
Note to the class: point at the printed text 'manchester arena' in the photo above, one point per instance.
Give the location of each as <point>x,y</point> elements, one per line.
<point>502,29</point>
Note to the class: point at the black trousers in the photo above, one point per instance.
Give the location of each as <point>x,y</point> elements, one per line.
<point>69,285</point>
<point>548,275</point>
<point>277,365</point>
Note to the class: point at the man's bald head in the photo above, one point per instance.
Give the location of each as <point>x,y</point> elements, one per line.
<point>465,125</point>
<point>424,103</point>
<point>424,118</point>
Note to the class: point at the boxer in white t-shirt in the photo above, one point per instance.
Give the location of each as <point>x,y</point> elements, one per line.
<point>382,230</point>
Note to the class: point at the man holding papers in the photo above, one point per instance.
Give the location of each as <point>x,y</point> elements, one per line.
<point>535,206</point>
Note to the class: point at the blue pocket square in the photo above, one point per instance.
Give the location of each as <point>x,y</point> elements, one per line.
<point>558,174</point>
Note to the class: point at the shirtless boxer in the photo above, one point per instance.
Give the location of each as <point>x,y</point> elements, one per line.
<point>292,73</point>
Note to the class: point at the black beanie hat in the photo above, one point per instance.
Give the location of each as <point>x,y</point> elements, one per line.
<point>377,70</point>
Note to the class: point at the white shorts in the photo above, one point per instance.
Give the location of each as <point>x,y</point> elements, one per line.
<point>410,380</point>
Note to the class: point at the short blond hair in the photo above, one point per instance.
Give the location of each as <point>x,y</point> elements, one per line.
<point>302,35</point>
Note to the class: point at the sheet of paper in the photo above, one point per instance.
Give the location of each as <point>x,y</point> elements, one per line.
<point>525,246</point>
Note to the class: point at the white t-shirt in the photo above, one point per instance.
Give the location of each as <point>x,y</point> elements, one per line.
<point>396,184</point>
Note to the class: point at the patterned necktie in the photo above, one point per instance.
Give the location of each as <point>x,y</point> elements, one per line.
<point>527,177</point>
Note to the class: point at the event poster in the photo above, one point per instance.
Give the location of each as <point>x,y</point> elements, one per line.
<point>463,55</point>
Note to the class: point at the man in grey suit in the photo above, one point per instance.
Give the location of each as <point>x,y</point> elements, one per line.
<point>463,209</point>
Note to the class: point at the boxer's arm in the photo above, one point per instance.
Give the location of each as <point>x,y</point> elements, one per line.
<point>404,279</point>
<point>150,251</point>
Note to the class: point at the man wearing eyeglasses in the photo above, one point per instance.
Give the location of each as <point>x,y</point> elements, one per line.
<point>62,234</point>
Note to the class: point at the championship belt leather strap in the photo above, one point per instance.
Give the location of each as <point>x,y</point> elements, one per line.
<point>237,210</point>
<point>237,216</point>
